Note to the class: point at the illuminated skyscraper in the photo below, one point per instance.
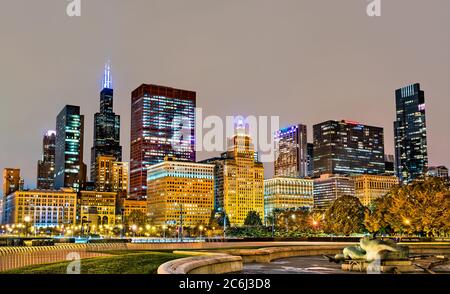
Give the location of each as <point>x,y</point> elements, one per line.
<point>70,170</point>
<point>46,166</point>
<point>106,126</point>
<point>178,188</point>
<point>291,153</point>
<point>347,148</point>
<point>239,180</point>
<point>162,124</point>
<point>310,159</point>
<point>410,134</point>
<point>111,175</point>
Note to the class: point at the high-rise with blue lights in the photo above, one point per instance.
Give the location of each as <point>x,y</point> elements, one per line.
<point>347,148</point>
<point>410,134</point>
<point>291,152</point>
<point>106,126</point>
<point>162,124</point>
<point>70,171</point>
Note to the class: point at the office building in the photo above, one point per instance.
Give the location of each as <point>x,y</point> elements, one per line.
<point>46,166</point>
<point>291,153</point>
<point>371,187</point>
<point>70,171</point>
<point>239,180</point>
<point>330,187</point>
<point>389,165</point>
<point>162,124</point>
<point>44,208</point>
<point>11,181</point>
<point>111,175</point>
<point>97,208</point>
<point>310,159</point>
<point>410,134</point>
<point>287,193</point>
<point>130,205</point>
<point>106,126</point>
<point>180,190</point>
<point>347,147</point>
<point>438,172</point>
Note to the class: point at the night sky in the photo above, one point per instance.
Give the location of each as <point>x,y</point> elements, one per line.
<point>305,60</point>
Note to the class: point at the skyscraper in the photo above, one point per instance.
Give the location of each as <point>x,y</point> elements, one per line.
<point>310,159</point>
<point>330,187</point>
<point>348,147</point>
<point>106,126</point>
<point>70,170</point>
<point>162,124</point>
<point>11,181</point>
<point>239,180</point>
<point>291,154</point>
<point>46,166</point>
<point>410,134</point>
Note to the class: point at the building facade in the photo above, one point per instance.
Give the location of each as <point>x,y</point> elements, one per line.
<point>11,181</point>
<point>106,126</point>
<point>346,147</point>
<point>97,208</point>
<point>44,208</point>
<point>180,191</point>
<point>239,180</point>
<point>310,159</point>
<point>46,166</point>
<point>70,171</point>
<point>410,134</point>
<point>111,175</point>
<point>438,172</point>
<point>291,152</point>
<point>130,205</point>
<point>329,187</point>
<point>286,193</point>
<point>162,124</point>
<point>371,187</point>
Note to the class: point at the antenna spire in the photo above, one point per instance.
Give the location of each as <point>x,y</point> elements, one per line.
<point>107,77</point>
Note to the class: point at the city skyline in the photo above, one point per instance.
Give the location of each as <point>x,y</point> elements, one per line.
<point>21,146</point>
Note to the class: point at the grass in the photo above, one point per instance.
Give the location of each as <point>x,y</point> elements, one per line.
<point>119,263</point>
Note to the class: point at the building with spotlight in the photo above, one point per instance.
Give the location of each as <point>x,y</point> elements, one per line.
<point>180,191</point>
<point>97,208</point>
<point>239,180</point>
<point>330,187</point>
<point>287,193</point>
<point>291,153</point>
<point>106,126</point>
<point>371,187</point>
<point>347,147</point>
<point>410,134</point>
<point>162,124</point>
<point>43,208</point>
<point>46,166</point>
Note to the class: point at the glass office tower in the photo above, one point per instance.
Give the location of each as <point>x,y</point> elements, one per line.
<point>69,167</point>
<point>106,126</point>
<point>162,124</point>
<point>46,166</point>
<point>348,147</point>
<point>291,154</point>
<point>410,134</point>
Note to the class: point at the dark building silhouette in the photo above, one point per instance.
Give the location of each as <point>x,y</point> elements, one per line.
<point>310,157</point>
<point>106,126</point>
<point>46,166</point>
<point>347,147</point>
<point>70,171</point>
<point>162,124</point>
<point>410,134</point>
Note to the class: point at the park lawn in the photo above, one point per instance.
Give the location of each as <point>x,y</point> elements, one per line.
<point>127,263</point>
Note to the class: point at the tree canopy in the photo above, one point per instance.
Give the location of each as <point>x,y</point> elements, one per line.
<point>253,219</point>
<point>345,216</point>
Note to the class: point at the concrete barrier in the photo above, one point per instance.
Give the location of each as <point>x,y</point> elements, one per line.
<point>204,264</point>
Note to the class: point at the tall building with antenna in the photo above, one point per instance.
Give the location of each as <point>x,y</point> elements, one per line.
<point>106,125</point>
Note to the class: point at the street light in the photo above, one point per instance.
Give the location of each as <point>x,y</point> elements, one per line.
<point>27,220</point>
<point>201,229</point>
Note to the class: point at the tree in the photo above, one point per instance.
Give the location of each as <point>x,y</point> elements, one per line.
<point>345,216</point>
<point>253,219</point>
<point>376,217</point>
<point>137,218</point>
